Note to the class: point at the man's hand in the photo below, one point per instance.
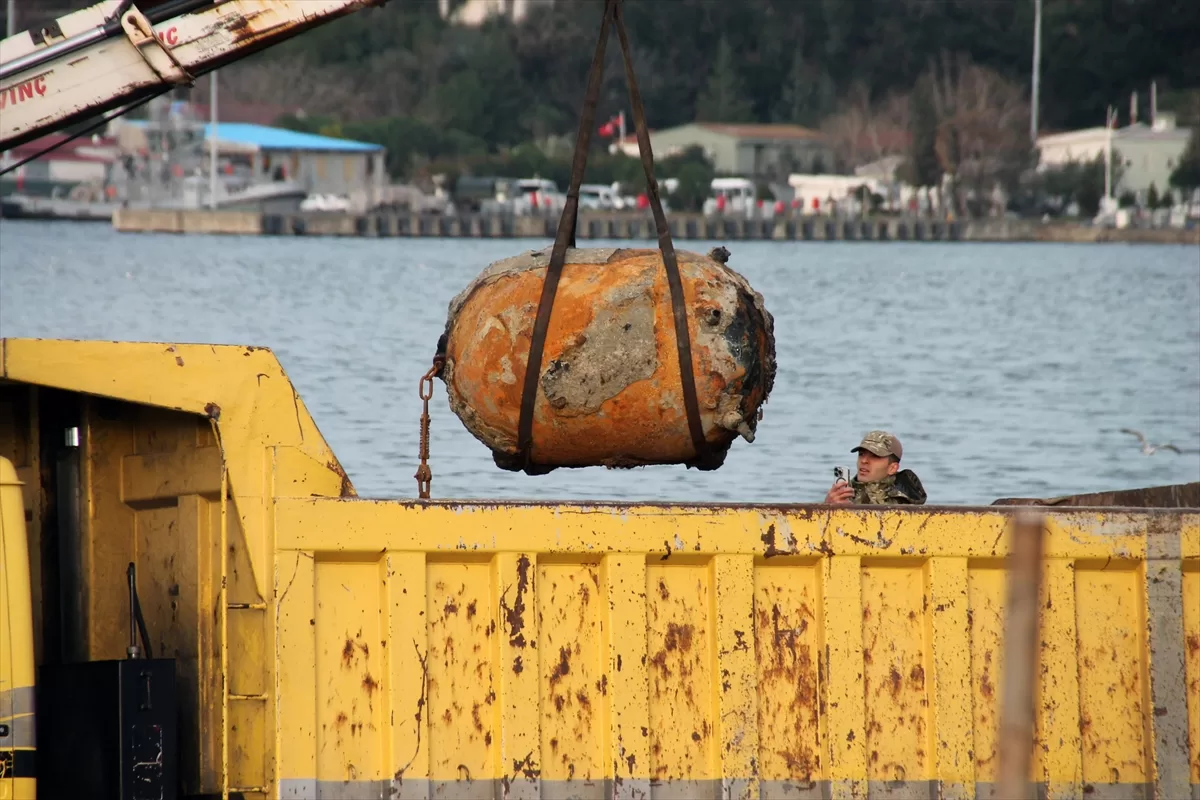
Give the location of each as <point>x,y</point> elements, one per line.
<point>840,494</point>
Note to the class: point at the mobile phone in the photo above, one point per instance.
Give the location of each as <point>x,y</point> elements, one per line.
<point>841,474</point>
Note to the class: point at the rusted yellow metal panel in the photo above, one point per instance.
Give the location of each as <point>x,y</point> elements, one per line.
<point>896,660</point>
<point>343,648</point>
<point>864,649</point>
<point>20,444</point>
<point>1111,673</point>
<point>570,634</point>
<point>949,635</point>
<point>679,602</point>
<point>736,711</point>
<point>244,390</point>
<point>788,621</point>
<point>17,742</point>
<point>626,754</point>
<point>1191,616</point>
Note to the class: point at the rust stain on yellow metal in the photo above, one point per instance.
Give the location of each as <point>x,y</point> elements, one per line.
<point>679,663</point>
<point>788,618</point>
<point>736,711</point>
<point>1112,661</point>
<point>985,601</point>
<point>572,675</point>
<point>463,627</point>
<point>384,648</point>
<point>895,656</point>
<point>350,675</point>
<point>1191,632</point>
<point>949,682</point>
<point>1056,752</point>
<point>627,732</point>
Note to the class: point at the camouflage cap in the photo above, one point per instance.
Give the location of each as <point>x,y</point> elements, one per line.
<point>881,443</point>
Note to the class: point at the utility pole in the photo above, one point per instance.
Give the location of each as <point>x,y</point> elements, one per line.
<point>10,18</point>
<point>1037,65</point>
<point>213,149</point>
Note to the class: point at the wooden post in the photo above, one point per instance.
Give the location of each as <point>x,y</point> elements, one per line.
<point>1015,735</point>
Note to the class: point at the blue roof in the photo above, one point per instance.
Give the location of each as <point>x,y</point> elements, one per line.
<point>283,139</point>
<point>266,138</point>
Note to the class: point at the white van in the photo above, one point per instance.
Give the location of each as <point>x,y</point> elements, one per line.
<point>538,195</point>
<point>739,194</point>
<point>599,197</point>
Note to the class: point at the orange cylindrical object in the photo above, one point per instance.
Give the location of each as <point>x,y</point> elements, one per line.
<point>610,389</point>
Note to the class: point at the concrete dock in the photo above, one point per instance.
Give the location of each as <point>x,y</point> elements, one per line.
<point>630,226</point>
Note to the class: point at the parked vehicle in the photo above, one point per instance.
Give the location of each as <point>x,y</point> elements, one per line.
<point>599,197</point>
<point>483,194</point>
<point>538,196</point>
<point>731,196</point>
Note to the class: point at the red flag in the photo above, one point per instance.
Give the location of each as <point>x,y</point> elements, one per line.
<point>607,129</point>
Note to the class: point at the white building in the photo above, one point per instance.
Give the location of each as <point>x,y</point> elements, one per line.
<point>476,12</point>
<point>760,152</point>
<point>1148,153</point>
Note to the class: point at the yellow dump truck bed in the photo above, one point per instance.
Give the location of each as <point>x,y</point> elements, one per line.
<point>338,647</point>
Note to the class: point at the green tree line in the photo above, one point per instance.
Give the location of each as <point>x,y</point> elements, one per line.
<point>502,84</point>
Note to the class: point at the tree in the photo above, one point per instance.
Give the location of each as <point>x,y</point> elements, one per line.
<point>329,91</point>
<point>1186,175</point>
<point>922,168</point>
<point>808,95</point>
<point>481,92</point>
<point>863,131</point>
<point>754,60</point>
<point>983,130</point>
<point>724,97</point>
<point>1081,182</point>
<point>695,184</point>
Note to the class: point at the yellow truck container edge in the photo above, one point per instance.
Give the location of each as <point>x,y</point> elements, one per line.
<point>391,649</point>
<point>17,738</point>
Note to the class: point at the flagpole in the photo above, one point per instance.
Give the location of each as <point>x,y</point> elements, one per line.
<point>1109,118</point>
<point>213,150</point>
<point>1037,69</point>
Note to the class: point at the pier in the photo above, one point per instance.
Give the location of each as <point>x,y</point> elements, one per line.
<point>632,226</point>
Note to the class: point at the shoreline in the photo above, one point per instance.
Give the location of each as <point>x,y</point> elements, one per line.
<point>635,226</point>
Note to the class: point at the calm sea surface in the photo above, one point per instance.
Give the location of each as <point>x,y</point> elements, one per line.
<point>1006,370</point>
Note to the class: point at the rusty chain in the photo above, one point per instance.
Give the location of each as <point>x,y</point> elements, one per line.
<point>424,475</point>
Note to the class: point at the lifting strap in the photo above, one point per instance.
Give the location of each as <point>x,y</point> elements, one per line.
<point>565,238</point>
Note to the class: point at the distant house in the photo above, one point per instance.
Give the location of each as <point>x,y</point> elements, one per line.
<point>320,164</point>
<point>1148,153</point>
<point>475,12</point>
<point>767,152</point>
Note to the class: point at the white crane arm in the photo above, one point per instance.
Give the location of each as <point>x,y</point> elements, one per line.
<point>113,54</point>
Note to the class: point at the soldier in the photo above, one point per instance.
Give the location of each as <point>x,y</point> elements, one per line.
<point>879,481</point>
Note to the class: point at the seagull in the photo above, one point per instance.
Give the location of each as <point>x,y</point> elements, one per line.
<point>1147,448</point>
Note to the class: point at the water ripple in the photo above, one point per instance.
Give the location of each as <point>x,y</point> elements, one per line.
<point>1006,369</point>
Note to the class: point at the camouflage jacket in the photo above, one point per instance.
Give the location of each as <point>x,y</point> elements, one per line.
<point>902,488</point>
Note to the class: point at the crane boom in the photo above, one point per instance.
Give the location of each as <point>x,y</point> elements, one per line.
<point>112,54</point>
